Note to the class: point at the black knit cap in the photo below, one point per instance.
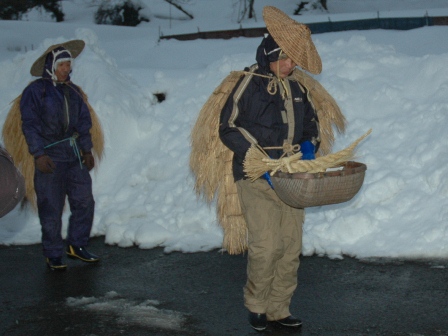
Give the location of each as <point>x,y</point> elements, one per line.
<point>268,51</point>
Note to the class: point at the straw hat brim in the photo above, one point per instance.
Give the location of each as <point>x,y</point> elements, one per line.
<point>293,38</point>
<point>74,46</point>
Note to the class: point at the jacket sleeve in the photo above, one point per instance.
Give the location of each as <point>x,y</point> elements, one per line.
<point>30,109</point>
<point>229,132</point>
<point>84,124</point>
<point>310,125</point>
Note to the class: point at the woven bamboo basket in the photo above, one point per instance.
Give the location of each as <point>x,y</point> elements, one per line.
<point>304,190</point>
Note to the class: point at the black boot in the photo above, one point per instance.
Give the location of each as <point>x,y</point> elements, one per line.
<point>258,321</point>
<point>290,321</point>
<point>81,253</point>
<point>56,264</point>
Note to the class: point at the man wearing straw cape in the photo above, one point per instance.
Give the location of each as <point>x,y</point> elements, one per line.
<point>268,107</point>
<point>276,109</point>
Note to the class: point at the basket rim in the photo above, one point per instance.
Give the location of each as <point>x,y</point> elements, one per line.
<point>349,168</point>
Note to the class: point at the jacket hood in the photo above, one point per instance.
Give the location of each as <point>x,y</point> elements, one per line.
<point>268,51</point>
<point>57,55</point>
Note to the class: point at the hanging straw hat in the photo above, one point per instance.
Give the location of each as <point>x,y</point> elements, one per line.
<point>74,47</point>
<point>293,38</point>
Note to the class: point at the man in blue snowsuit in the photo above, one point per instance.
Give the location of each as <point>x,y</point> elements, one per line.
<point>56,123</point>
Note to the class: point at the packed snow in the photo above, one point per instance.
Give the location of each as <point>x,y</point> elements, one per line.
<point>394,82</point>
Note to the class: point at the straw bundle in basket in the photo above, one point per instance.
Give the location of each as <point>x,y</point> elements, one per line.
<point>306,183</point>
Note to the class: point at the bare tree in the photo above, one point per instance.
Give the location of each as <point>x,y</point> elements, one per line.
<point>246,7</point>
<point>251,9</point>
<point>311,4</point>
<point>173,3</point>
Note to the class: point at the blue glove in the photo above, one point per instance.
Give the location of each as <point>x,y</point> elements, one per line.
<point>307,149</point>
<point>267,177</point>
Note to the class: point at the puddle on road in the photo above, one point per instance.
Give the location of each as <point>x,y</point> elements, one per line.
<point>143,313</point>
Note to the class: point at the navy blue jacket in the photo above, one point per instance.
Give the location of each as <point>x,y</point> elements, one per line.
<point>260,114</point>
<point>45,122</point>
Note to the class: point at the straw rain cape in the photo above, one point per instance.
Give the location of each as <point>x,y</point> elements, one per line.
<point>211,160</point>
<point>16,145</point>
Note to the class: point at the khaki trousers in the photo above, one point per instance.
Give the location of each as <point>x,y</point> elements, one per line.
<point>274,246</point>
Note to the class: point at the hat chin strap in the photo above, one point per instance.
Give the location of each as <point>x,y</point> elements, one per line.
<point>274,79</point>
<point>285,91</point>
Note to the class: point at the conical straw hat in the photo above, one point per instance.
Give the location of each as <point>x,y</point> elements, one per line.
<point>293,38</point>
<point>74,46</point>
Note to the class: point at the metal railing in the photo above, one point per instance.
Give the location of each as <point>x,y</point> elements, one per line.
<point>402,23</point>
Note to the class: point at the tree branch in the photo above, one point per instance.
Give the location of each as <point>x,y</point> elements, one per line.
<point>171,2</point>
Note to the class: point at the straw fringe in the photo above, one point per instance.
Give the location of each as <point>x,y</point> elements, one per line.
<point>209,155</point>
<point>211,160</point>
<point>16,145</point>
<point>230,215</point>
<point>327,110</point>
<point>96,132</point>
<point>211,164</point>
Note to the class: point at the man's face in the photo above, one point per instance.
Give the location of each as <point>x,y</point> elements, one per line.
<point>283,67</point>
<point>63,70</point>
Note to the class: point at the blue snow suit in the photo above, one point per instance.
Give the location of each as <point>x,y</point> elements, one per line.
<point>52,113</point>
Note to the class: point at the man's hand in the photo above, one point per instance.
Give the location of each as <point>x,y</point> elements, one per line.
<point>45,164</point>
<point>88,160</point>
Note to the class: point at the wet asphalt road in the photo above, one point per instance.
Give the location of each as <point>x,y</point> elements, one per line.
<point>146,292</point>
